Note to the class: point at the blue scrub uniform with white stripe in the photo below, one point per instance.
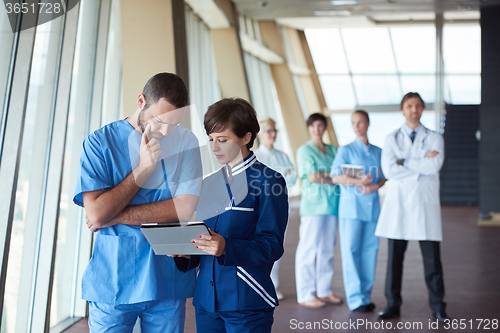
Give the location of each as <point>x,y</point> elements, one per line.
<point>124,278</point>
<point>234,291</point>
<point>358,216</point>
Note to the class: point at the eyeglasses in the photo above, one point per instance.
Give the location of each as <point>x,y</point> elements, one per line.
<point>271,131</point>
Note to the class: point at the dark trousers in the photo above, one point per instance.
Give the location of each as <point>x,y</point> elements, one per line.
<point>432,269</point>
<point>242,321</point>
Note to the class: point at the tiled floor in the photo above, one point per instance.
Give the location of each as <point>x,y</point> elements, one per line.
<point>470,256</point>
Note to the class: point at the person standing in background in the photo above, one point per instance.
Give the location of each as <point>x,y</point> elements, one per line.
<point>358,214</point>
<point>411,159</point>
<point>278,161</point>
<point>318,219</point>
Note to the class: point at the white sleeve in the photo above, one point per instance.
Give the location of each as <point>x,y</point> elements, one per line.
<point>428,165</point>
<point>390,169</point>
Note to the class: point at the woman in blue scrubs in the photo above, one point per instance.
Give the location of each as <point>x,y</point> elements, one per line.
<point>245,206</point>
<point>358,213</point>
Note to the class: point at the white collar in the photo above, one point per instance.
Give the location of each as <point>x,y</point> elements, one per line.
<point>243,165</point>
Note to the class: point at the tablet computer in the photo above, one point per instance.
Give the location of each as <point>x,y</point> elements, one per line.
<point>174,238</point>
<point>351,170</point>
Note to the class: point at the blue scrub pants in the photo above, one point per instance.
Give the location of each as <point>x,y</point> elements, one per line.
<point>248,321</point>
<point>358,247</point>
<point>161,316</point>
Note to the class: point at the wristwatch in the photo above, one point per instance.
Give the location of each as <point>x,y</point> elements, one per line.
<point>400,161</point>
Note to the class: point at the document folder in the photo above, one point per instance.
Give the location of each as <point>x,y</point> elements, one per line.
<point>174,238</point>
<point>354,171</point>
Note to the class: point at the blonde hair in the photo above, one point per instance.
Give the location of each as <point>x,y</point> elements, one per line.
<point>264,122</point>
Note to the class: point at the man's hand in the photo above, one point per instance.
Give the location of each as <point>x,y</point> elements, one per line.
<point>432,154</point>
<point>213,244</point>
<point>93,227</point>
<point>149,153</point>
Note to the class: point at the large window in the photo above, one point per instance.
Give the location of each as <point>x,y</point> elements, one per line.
<point>378,65</point>
<point>66,283</point>
<point>203,83</point>
<point>25,236</point>
<point>462,64</point>
<point>52,79</point>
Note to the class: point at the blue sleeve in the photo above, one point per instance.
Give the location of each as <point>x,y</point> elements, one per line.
<point>93,173</point>
<point>340,158</point>
<point>191,175</point>
<point>267,245</point>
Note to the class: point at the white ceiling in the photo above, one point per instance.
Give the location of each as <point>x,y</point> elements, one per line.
<point>304,14</point>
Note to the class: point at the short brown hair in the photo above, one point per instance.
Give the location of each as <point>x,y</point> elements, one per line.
<point>408,96</point>
<point>233,113</point>
<point>316,116</point>
<point>168,86</point>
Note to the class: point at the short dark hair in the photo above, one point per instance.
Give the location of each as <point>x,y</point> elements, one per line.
<point>316,116</point>
<point>168,86</point>
<point>364,113</point>
<point>235,113</point>
<point>408,96</point>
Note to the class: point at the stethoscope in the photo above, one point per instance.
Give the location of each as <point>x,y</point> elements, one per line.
<point>401,132</point>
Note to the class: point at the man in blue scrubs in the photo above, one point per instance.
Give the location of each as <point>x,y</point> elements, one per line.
<point>141,169</point>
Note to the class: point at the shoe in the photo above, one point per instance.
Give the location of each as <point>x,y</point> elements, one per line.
<point>365,308</point>
<point>333,298</point>
<point>370,307</point>
<point>388,313</point>
<point>313,304</point>
<point>441,316</point>
<point>279,295</point>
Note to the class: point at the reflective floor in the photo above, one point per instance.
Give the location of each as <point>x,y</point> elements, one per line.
<point>471,264</point>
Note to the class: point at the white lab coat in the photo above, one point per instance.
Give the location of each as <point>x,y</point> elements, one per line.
<point>411,209</point>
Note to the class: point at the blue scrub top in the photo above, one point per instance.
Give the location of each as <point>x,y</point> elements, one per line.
<point>123,268</point>
<point>353,204</point>
<point>251,213</point>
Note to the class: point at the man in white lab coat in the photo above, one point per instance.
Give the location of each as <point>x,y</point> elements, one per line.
<point>411,159</point>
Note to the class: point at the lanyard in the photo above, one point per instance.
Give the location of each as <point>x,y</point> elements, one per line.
<point>228,187</point>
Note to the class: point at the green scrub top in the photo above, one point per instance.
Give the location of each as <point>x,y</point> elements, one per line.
<point>317,199</point>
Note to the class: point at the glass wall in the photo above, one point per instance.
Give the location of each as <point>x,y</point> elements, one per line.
<point>65,285</point>
<point>48,91</point>
<point>6,41</point>
<point>32,176</point>
<point>462,64</point>
<point>262,87</point>
<point>378,65</point>
<point>203,83</point>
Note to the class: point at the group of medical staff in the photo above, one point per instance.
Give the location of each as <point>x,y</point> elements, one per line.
<point>411,158</point>
<point>146,168</point>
